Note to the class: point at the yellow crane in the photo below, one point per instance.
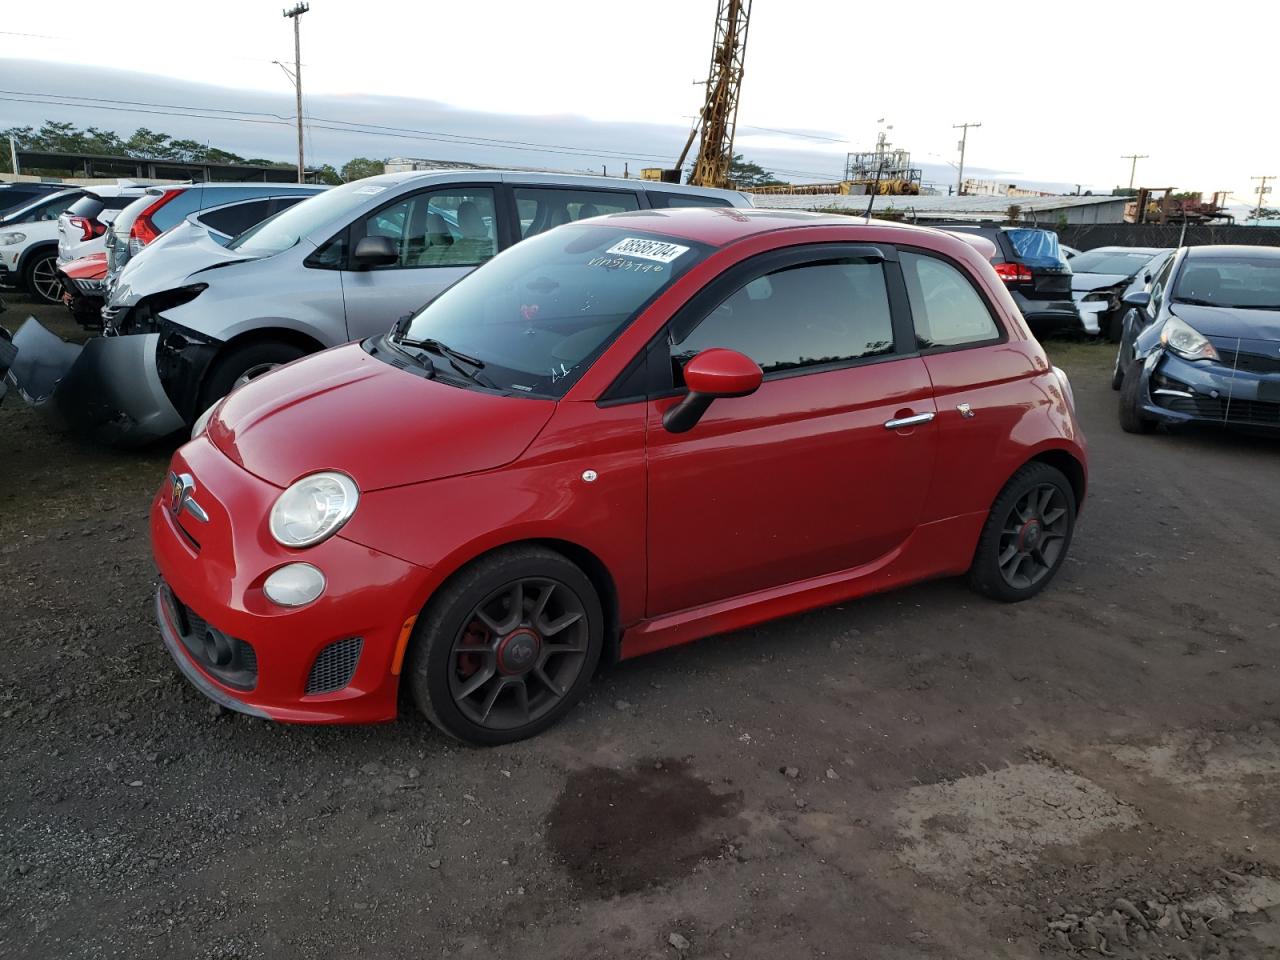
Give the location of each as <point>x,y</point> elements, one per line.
<point>719,115</point>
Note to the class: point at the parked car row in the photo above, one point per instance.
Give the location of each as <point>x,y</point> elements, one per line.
<point>192,307</point>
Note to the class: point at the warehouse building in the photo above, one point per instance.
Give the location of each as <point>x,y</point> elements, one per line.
<point>1049,211</point>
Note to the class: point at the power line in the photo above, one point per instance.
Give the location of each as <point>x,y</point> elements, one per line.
<point>259,117</point>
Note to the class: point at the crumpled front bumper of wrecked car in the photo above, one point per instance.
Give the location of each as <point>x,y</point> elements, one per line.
<point>109,389</point>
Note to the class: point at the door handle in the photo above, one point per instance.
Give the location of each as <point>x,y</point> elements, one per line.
<point>912,421</point>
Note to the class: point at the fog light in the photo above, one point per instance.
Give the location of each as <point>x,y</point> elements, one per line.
<point>294,585</point>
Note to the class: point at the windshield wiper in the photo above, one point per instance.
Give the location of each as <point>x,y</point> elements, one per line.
<point>455,357</point>
<point>1196,302</point>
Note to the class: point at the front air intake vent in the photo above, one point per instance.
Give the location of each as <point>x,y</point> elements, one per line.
<point>335,666</point>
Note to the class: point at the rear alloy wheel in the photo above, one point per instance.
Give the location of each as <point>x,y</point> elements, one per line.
<point>507,646</point>
<point>42,278</point>
<point>1026,536</point>
<point>1132,419</point>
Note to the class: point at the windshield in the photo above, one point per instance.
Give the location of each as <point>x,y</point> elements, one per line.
<point>540,313</point>
<point>1036,248</point>
<point>1119,262</point>
<point>1244,283</point>
<point>25,212</point>
<point>282,231</point>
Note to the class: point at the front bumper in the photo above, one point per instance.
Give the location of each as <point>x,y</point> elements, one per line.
<point>1177,391</point>
<point>1091,314</point>
<point>8,278</point>
<point>108,390</point>
<point>215,570</point>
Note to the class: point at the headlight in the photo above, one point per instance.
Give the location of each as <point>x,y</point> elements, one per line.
<point>1186,341</point>
<point>9,239</point>
<point>313,509</point>
<point>1097,296</point>
<point>294,585</point>
<point>202,421</point>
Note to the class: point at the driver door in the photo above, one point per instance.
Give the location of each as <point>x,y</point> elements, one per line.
<point>441,235</point>
<point>807,476</point>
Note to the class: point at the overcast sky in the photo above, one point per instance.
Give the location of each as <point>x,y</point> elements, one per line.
<point>1062,90</point>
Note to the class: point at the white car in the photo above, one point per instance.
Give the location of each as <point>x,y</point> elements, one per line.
<point>29,246</point>
<point>82,227</point>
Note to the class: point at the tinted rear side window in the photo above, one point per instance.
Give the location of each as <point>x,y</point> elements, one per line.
<point>237,218</point>
<point>944,305</point>
<point>658,198</point>
<point>541,209</point>
<point>176,210</point>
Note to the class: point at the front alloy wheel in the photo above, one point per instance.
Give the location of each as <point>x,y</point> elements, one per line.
<point>42,280</point>
<point>507,646</point>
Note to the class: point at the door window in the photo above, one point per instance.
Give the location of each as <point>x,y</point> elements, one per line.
<point>540,209</point>
<point>946,309</point>
<point>446,228</point>
<point>811,315</point>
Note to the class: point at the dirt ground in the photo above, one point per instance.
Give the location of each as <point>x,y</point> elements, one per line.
<point>921,775</point>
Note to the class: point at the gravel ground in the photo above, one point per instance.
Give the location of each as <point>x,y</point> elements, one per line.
<point>923,774</point>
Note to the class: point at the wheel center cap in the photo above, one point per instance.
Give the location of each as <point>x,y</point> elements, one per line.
<point>1030,534</point>
<point>518,651</point>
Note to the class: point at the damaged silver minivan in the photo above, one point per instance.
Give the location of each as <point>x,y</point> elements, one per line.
<point>186,324</point>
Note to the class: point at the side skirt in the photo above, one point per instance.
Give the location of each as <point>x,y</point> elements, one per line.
<point>938,549</point>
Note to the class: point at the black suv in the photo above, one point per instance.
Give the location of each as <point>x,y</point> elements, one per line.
<point>1031,264</point>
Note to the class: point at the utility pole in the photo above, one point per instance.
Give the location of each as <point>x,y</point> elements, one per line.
<point>964,137</point>
<point>13,155</point>
<point>296,15</point>
<point>1263,190</point>
<point>1133,167</point>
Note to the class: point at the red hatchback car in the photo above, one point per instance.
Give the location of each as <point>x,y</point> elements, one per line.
<point>623,434</point>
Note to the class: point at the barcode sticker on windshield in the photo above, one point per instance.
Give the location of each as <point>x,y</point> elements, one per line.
<point>658,250</point>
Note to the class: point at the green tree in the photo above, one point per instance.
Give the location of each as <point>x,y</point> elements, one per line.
<point>1264,213</point>
<point>742,173</point>
<point>361,167</point>
<point>326,174</point>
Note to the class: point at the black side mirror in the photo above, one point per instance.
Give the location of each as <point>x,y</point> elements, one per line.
<point>375,252</point>
<point>1139,299</point>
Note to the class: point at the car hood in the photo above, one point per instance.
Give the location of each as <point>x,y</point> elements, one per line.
<point>346,410</point>
<point>1096,281</point>
<point>169,261</point>
<point>1230,322</point>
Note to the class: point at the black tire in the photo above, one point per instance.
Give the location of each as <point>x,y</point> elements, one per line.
<point>988,575</point>
<point>1132,419</point>
<point>1114,328</point>
<point>251,359</point>
<point>40,276</point>
<point>445,635</point>
<point>1117,372</point>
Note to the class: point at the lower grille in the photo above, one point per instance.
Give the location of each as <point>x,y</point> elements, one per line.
<point>335,666</point>
<point>228,659</point>
<point>1219,408</point>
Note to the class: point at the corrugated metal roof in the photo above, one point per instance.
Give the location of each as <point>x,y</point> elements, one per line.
<point>932,207</point>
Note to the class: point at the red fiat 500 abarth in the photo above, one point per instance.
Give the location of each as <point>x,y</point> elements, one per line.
<point>624,434</point>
